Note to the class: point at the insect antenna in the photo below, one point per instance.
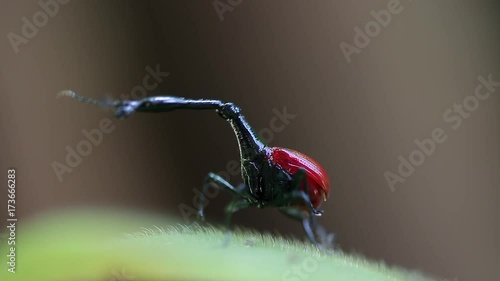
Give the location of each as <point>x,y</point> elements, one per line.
<point>105,103</point>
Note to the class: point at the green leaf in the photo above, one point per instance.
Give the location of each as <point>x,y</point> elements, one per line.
<point>123,246</point>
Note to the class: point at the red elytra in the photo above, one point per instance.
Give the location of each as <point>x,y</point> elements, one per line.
<point>291,161</point>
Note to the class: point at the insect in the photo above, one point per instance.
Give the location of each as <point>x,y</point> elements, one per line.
<point>272,176</point>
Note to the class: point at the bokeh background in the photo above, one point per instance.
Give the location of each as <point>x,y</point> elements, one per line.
<point>354,118</point>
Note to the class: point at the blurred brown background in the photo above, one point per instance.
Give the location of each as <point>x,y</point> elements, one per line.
<point>355,118</point>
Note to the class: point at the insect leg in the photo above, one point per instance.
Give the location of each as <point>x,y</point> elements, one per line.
<point>298,195</point>
<point>298,179</point>
<point>231,208</point>
<point>297,214</point>
<point>219,182</point>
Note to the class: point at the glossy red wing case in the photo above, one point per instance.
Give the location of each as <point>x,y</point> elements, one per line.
<point>291,161</point>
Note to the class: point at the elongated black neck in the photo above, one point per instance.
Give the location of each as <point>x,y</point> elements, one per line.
<point>249,144</point>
